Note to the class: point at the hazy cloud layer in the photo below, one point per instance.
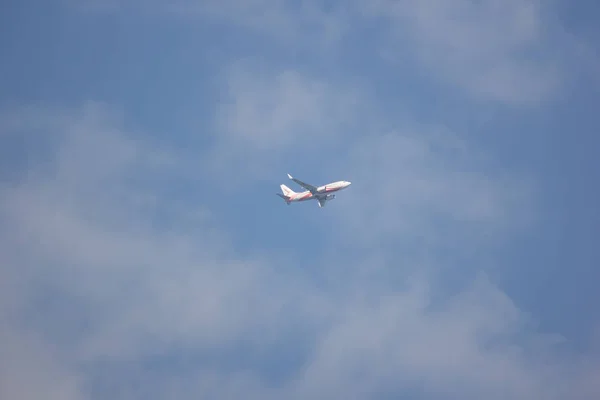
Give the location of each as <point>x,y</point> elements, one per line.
<point>134,268</point>
<point>103,288</point>
<point>266,116</point>
<point>513,52</point>
<point>498,50</point>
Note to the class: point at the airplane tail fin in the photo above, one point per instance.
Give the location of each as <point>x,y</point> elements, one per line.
<point>287,194</point>
<point>287,199</point>
<point>287,191</point>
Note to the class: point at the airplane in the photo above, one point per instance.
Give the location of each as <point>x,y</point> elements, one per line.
<point>322,193</point>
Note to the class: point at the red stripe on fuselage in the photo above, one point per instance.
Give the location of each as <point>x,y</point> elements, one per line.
<point>308,195</point>
<point>302,196</point>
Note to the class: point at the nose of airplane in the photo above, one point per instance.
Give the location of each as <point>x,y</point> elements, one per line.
<point>348,183</point>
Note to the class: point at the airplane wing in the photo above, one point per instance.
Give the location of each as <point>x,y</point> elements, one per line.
<point>322,201</point>
<point>306,186</point>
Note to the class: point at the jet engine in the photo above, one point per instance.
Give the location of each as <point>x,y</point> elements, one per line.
<point>330,196</point>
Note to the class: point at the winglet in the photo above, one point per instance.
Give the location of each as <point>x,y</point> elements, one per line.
<point>289,176</point>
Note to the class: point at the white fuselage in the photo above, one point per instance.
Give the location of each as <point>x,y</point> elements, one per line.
<point>322,191</point>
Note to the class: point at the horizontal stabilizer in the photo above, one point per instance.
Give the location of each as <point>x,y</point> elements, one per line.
<point>287,199</point>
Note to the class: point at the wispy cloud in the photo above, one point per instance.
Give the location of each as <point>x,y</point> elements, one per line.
<point>81,226</point>
<point>300,22</point>
<point>422,183</point>
<point>475,346</point>
<point>132,287</point>
<point>114,284</point>
<point>269,115</point>
<point>496,50</point>
<point>511,52</point>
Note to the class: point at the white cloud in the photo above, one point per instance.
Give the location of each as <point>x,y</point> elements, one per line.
<point>273,111</point>
<point>305,23</point>
<point>133,291</point>
<point>308,24</point>
<point>513,51</point>
<point>497,50</point>
<point>425,184</point>
<point>80,226</point>
<point>108,282</point>
<point>92,215</point>
<point>475,346</point>
<point>271,116</point>
<point>31,368</point>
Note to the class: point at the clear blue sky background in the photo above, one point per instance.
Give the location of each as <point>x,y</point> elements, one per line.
<point>144,254</point>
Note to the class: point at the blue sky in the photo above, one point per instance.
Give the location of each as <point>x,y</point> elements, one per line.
<point>143,251</point>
